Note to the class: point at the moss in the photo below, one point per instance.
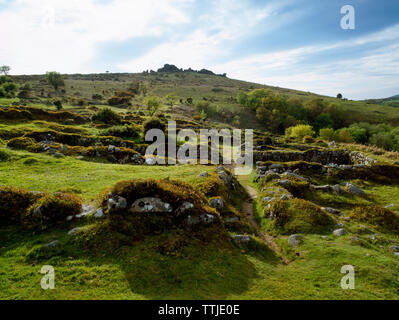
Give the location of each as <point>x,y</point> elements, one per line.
<point>379,172</point>
<point>300,216</point>
<point>376,216</point>
<point>21,143</point>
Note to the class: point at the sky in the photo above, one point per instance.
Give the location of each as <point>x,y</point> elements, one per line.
<point>297,44</point>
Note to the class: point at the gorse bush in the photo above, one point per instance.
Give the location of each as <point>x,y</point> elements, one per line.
<point>154,123</point>
<point>14,204</point>
<point>35,209</point>
<point>380,217</point>
<point>50,210</point>
<point>127,131</point>
<point>328,134</point>
<point>107,116</point>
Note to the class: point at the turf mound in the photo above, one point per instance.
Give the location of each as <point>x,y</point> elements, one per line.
<point>300,216</point>
<point>377,216</point>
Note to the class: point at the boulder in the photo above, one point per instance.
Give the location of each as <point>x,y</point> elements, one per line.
<point>332,211</point>
<point>51,245</point>
<point>390,206</point>
<point>205,218</point>
<point>338,190</point>
<point>284,182</point>
<point>184,207</point>
<point>217,203</point>
<point>394,248</point>
<point>148,205</point>
<point>239,239</point>
<point>203,175</point>
<point>74,231</point>
<point>99,214</point>
<point>150,161</point>
<point>339,232</point>
<point>295,240</point>
<point>117,203</point>
<point>355,190</point>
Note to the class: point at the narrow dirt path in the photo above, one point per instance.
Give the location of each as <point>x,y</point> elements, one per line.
<point>248,210</point>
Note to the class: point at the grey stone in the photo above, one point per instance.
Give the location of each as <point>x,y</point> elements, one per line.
<point>204,174</point>
<point>293,175</point>
<point>117,203</point>
<point>217,203</point>
<point>51,244</point>
<point>86,211</point>
<point>295,240</point>
<point>147,205</point>
<point>205,218</point>
<point>394,248</point>
<point>276,166</point>
<point>99,214</point>
<point>390,206</point>
<point>74,231</point>
<point>332,144</point>
<point>338,190</point>
<point>339,232</point>
<point>111,149</point>
<point>354,190</point>
<point>221,169</point>
<point>150,161</point>
<point>241,239</point>
<point>332,211</point>
<point>284,183</point>
<point>286,197</point>
<point>232,219</point>
<point>184,207</point>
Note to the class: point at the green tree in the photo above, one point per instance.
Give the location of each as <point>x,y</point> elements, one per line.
<point>5,70</point>
<point>143,88</point>
<point>152,104</point>
<point>314,108</point>
<point>323,121</point>
<point>328,134</point>
<point>345,136</point>
<point>55,79</point>
<point>300,131</point>
<point>170,99</point>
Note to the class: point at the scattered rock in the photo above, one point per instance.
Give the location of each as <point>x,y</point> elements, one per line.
<point>276,166</point>
<point>284,183</point>
<point>150,161</point>
<point>295,240</point>
<point>86,211</point>
<point>390,206</point>
<point>147,205</point>
<point>206,218</point>
<point>355,190</point>
<point>332,211</point>
<point>339,232</point>
<point>204,175</point>
<point>338,190</point>
<point>117,203</point>
<point>242,239</point>
<point>74,231</point>
<point>332,144</point>
<point>184,207</point>
<point>394,248</point>
<point>217,203</point>
<point>99,214</point>
<point>232,219</point>
<point>51,244</point>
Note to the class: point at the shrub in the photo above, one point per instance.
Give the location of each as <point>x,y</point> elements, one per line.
<point>122,132</point>
<point>300,131</point>
<point>58,104</point>
<point>21,143</point>
<point>13,204</point>
<point>55,79</point>
<point>4,156</point>
<point>97,97</point>
<point>300,216</point>
<point>377,216</point>
<point>52,209</point>
<point>328,134</point>
<point>117,101</point>
<point>108,116</point>
<point>170,99</point>
<point>152,103</point>
<point>345,136</point>
<point>154,123</point>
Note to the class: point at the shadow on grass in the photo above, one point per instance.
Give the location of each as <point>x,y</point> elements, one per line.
<point>158,268</point>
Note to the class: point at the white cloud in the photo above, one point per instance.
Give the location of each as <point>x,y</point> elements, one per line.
<point>44,35</point>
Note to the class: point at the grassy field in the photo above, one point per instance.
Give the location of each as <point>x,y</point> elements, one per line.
<point>175,264</point>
